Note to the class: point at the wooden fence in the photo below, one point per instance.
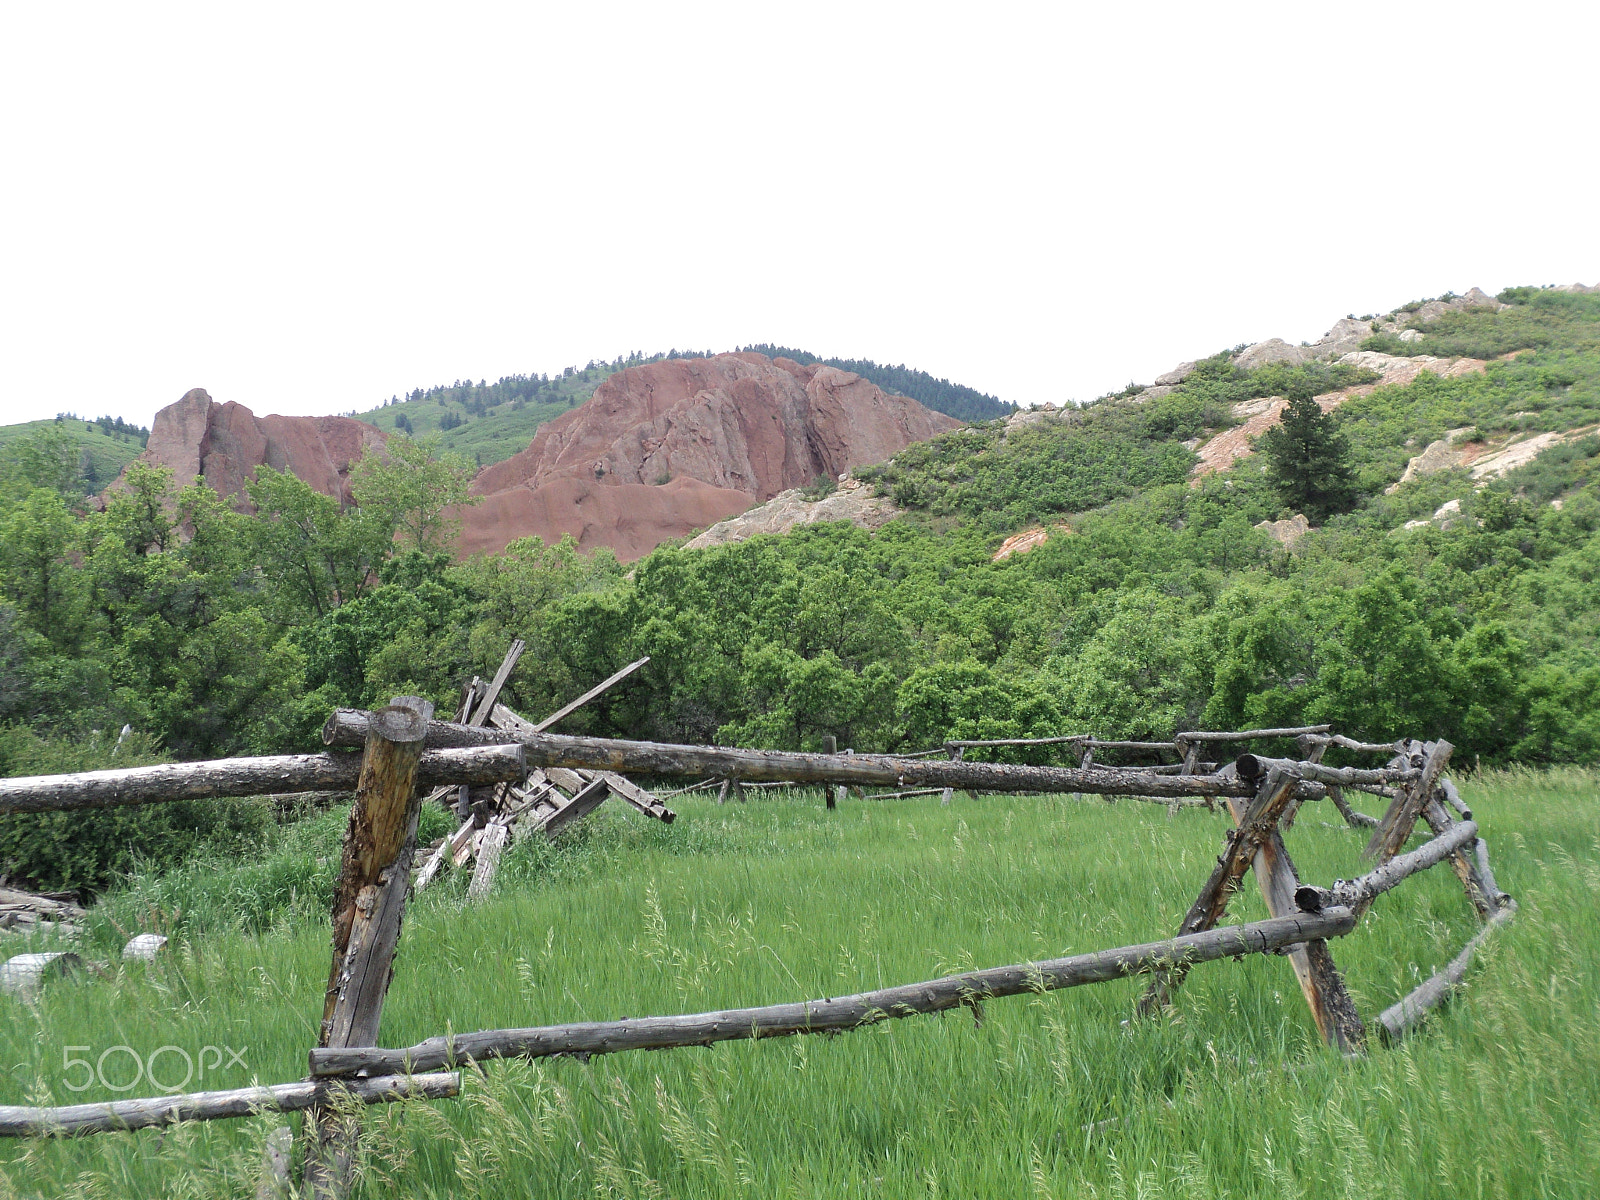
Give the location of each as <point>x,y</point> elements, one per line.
<point>404,752</point>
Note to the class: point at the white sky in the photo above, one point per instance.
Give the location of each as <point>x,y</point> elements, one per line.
<point>306,208</point>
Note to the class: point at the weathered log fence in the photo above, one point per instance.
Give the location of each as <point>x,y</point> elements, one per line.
<point>404,752</point>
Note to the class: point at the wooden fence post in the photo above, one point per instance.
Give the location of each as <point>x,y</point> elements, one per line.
<point>374,877</point>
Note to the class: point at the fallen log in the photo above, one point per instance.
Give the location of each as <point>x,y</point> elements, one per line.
<point>1402,1017</point>
<point>842,1013</point>
<point>115,1116</point>
<point>1358,894</point>
<point>226,777</point>
<point>348,727</point>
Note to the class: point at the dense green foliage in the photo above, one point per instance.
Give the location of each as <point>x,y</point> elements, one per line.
<point>1060,1095</point>
<point>1155,604</point>
<point>953,399</point>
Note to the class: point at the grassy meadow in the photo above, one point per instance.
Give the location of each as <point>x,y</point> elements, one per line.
<point>1058,1095</point>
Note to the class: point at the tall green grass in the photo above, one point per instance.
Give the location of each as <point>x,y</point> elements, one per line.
<point>1058,1095</point>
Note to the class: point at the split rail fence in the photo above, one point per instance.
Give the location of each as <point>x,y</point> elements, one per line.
<point>505,771</point>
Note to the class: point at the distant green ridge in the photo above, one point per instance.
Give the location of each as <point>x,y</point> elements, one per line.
<point>103,446</point>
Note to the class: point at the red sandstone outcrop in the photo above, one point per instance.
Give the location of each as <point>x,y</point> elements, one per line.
<point>225,443</point>
<point>727,432</point>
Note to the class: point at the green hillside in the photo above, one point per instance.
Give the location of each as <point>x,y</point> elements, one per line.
<point>99,449</point>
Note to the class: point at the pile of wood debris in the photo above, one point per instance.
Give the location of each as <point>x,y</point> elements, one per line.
<point>548,801</point>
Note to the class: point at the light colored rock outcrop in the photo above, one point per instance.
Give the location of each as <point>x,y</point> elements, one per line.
<point>787,510</point>
<point>1273,350</point>
<point>1177,375</point>
<point>1021,543</point>
<point>1288,532</point>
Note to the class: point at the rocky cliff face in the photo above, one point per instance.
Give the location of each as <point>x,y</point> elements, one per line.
<point>225,443</point>
<point>664,449</point>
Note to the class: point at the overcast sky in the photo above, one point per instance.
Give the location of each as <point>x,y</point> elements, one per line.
<point>306,208</point>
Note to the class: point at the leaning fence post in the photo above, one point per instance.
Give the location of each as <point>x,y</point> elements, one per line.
<point>373,879</point>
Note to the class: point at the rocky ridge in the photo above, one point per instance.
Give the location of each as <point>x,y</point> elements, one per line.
<point>224,444</point>
<point>663,449</point>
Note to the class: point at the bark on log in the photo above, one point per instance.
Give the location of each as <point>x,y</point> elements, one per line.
<point>348,726</point>
<point>117,1116</point>
<point>1402,816</point>
<point>368,907</point>
<point>1045,741</point>
<point>229,777</point>
<point>1358,894</point>
<point>1247,735</point>
<point>1401,1018</point>
<point>1338,739</point>
<point>1254,766</point>
<point>842,1013</point>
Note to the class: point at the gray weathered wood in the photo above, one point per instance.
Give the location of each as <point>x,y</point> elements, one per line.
<point>368,907</point>
<point>347,727</point>
<point>635,795</point>
<point>598,689</point>
<point>115,1116</point>
<point>584,801</point>
<point>227,777</point>
<point>1247,735</point>
<point>1484,898</point>
<point>1358,894</point>
<point>490,846</point>
<point>1402,1017</point>
<point>273,1183</point>
<point>1255,766</point>
<point>841,1013</point>
<point>1406,807</point>
<point>485,706</point>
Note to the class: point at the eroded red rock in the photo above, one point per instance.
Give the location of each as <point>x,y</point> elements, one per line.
<point>664,449</point>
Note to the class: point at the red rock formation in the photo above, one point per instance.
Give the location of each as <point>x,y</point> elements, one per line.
<point>728,431</point>
<point>225,443</point>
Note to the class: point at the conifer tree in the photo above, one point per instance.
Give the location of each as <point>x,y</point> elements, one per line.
<point>1308,459</point>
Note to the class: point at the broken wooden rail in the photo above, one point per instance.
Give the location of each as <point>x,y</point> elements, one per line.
<point>1407,1013</point>
<point>839,1013</point>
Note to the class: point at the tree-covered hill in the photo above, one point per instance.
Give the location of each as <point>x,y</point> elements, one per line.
<point>1443,605</point>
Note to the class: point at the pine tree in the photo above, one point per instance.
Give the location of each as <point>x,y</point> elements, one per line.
<point>1308,459</point>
